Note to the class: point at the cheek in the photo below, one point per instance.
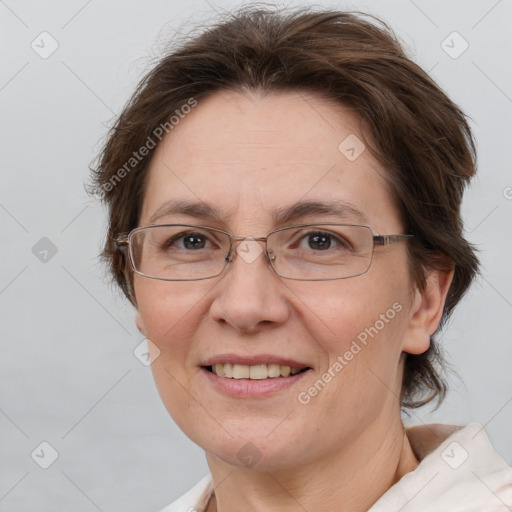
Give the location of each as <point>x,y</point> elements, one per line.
<point>346,309</point>
<point>361,370</point>
<point>359,328</point>
<point>170,312</point>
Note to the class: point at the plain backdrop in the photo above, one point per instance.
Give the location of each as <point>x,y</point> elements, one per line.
<point>69,376</point>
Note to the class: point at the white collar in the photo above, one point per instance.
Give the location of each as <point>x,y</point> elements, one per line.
<point>459,471</point>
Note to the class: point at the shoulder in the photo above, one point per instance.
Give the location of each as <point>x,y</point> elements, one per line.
<point>459,470</point>
<point>195,499</point>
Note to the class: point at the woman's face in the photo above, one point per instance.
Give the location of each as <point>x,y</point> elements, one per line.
<point>247,156</point>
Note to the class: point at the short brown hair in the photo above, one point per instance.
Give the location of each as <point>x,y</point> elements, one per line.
<point>421,137</point>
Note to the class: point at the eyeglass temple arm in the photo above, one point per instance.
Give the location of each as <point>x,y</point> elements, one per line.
<point>391,239</point>
<point>120,242</point>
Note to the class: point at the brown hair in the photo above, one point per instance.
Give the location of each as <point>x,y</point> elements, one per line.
<point>422,138</point>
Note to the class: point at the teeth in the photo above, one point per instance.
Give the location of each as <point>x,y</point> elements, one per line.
<point>256,372</point>
<point>241,371</point>
<point>274,370</point>
<point>228,370</point>
<point>219,370</point>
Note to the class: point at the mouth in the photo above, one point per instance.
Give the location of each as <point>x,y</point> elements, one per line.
<point>253,376</point>
<point>255,372</point>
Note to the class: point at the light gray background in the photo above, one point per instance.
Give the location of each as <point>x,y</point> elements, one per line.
<point>68,373</point>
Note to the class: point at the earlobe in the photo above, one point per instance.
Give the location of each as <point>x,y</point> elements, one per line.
<point>427,310</point>
<point>139,323</point>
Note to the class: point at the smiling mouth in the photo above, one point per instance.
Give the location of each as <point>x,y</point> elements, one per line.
<point>255,372</point>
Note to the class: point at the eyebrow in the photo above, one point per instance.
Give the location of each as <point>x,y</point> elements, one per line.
<point>283,215</point>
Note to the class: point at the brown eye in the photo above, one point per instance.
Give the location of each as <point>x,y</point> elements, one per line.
<point>322,241</point>
<point>191,241</point>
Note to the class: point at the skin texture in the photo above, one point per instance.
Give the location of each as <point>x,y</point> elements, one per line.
<point>247,154</point>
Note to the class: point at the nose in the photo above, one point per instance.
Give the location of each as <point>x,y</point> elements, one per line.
<point>250,295</point>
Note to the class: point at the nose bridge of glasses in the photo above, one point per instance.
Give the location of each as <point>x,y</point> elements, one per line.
<point>236,238</point>
<point>251,249</point>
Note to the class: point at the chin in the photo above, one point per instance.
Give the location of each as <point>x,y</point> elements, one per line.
<point>260,447</point>
<point>251,455</point>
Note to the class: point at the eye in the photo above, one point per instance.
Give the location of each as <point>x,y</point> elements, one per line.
<point>188,241</point>
<point>322,241</point>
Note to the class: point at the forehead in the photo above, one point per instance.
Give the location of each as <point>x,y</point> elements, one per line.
<point>249,155</point>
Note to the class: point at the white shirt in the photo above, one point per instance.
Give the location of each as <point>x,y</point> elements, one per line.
<point>462,473</point>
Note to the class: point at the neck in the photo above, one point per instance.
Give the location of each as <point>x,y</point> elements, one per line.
<point>355,476</point>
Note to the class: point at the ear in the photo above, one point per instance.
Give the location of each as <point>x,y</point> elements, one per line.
<point>427,310</point>
<point>139,323</point>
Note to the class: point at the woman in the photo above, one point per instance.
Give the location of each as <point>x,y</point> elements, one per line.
<point>284,197</point>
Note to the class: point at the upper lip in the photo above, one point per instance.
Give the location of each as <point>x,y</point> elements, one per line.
<point>253,360</point>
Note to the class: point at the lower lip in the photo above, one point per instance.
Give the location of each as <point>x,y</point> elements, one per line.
<point>252,388</point>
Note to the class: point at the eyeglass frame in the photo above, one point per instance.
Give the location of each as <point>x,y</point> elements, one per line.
<point>123,240</point>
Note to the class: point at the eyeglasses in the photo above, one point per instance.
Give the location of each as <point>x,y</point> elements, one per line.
<point>307,252</point>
